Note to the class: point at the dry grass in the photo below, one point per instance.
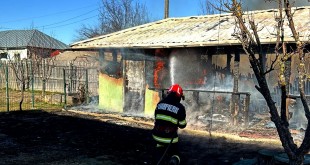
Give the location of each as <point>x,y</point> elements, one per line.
<point>149,123</point>
<point>14,98</point>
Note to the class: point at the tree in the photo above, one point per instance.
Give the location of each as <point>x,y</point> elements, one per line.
<point>21,68</point>
<point>115,15</point>
<point>247,33</point>
<point>206,7</point>
<point>43,65</point>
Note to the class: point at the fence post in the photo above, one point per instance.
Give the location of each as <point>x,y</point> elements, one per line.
<point>86,86</point>
<point>65,88</point>
<point>71,78</point>
<point>7,87</point>
<point>32,85</point>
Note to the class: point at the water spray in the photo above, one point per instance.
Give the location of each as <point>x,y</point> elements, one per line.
<point>173,61</point>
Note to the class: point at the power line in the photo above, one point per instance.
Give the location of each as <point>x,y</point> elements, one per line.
<point>46,26</point>
<point>47,15</point>
<point>67,19</point>
<point>71,23</point>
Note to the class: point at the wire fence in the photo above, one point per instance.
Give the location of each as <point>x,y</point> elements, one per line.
<point>27,84</point>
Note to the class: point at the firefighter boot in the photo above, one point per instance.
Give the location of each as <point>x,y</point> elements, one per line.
<point>174,160</point>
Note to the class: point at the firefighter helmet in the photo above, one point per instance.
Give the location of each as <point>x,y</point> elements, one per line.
<point>177,89</point>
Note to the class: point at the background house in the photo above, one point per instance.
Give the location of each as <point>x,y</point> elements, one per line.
<point>50,63</point>
<point>78,58</point>
<point>28,44</point>
<point>200,53</point>
<point>77,62</point>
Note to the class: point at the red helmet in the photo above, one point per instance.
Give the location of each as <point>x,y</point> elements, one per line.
<point>177,89</point>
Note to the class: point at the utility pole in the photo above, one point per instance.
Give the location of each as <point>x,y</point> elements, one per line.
<point>166,9</point>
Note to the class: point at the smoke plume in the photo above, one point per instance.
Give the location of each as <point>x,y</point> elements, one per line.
<point>263,4</point>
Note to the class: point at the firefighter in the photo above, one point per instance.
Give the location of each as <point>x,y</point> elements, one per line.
<point>169,116</point>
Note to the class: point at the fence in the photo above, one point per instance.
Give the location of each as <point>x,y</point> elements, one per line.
<point>31,85</point>
<point>213,108</point>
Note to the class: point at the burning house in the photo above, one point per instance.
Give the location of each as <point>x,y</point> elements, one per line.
<point>200,53</point>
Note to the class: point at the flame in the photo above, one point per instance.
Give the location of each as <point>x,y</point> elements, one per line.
<point>159,65</point>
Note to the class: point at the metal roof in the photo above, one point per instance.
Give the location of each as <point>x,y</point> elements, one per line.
<point>209,30</point>
<point>28,38</point>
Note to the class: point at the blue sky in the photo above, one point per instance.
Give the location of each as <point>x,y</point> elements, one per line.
<point>62,18</point>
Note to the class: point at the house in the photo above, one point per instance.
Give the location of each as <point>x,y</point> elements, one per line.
<point>77,62</point>
<point>22,44</point>
<point>201,53</point>
<point>87,59</point>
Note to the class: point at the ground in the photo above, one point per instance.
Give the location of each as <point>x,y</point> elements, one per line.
<point>66,137</point>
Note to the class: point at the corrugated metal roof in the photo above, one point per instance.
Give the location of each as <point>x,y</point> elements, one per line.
<point>28,38</point>
<point>197,31</point>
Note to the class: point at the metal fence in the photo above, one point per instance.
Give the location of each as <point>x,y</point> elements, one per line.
<point>39,85</point>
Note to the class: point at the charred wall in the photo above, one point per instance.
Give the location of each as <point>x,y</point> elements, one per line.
<point>203,68</point>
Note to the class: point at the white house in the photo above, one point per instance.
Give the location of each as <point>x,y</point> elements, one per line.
<point>27,43</point>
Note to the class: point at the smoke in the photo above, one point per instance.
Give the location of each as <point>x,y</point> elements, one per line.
<point>133,103</point>
<point>298,120</point>
<point>191,71</point>
<point>184,64</point>
<point>263,4</point>
<point>92,106</point>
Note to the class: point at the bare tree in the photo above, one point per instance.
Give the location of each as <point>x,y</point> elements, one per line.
<point>247,33</point>
<point>207,8</point>
<point>43,64</point>
<point>22,72</point>
<point>116,15</point>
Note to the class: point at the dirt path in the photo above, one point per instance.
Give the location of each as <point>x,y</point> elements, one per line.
<point>73,137</point>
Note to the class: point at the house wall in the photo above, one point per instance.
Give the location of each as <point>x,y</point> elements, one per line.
<point>11,53</point>
<point>122,85</point>
<point>110,93</point>
<point>193,68</point>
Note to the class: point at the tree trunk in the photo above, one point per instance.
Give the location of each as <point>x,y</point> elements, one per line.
<point>251,44</point>
<point>43,89</point>
<point>298,161</point>
<point>22,89</point>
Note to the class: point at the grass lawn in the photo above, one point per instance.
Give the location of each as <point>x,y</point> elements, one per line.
<point>51,101</point>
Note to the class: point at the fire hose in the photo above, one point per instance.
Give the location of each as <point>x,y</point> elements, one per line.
<point>162,157</point>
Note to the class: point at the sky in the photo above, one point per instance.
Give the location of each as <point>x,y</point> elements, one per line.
<point>62,18</point>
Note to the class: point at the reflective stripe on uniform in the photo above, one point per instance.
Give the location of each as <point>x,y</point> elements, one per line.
<point>165,140</point>
<point>183,122</point>
<point>159,145</point>
<point>167,118</point>
<point>176,156</point>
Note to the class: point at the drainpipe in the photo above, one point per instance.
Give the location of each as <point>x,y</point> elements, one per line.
<point>166,9</point>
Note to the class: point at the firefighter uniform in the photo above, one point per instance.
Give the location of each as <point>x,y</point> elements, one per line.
<point>169,116</point>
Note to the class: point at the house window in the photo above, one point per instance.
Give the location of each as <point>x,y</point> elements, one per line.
<point>3,55</point>
<point>17,56</point>
<point>112,64</point>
